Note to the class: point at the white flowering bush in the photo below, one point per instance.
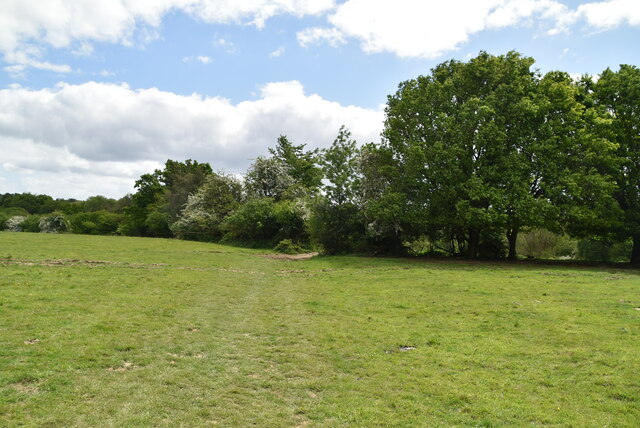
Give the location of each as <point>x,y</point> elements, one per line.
<point>14,224</point>
<point>196,222</point>
<point>53,223</point>
<point>201,219</point>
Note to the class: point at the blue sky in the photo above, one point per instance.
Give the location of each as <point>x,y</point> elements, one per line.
<point>93,96</point>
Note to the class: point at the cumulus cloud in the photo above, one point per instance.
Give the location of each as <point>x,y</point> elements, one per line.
<point>407,28</point>
<point>430,28</point>
<point>103,136</point>
<point>28,27</point>
<point>424,28</point>
<point>610,14</point>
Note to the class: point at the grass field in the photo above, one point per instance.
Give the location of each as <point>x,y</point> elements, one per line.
<point>115,331</point>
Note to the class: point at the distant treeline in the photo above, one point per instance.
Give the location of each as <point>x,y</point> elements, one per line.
<point>480,159</point>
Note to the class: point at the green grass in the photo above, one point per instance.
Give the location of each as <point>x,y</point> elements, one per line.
<point>173,333</point>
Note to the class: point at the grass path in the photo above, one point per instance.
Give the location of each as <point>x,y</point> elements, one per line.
<point>113,331</point>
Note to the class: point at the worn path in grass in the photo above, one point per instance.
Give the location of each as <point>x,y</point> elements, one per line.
<point>114,331</point>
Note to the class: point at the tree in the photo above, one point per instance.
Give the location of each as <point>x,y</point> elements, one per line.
<point>572,160</point>
<point>208,207</point>
<point>148,197</point>
<point>181,179</point>
<point>161,196</point>
<point>99,203</point>
<point>336,223</point>
<point>301,165</point>
<point>487,147</point>
<point>339,165</point>
<point>458,138</point>
<point>619,93</point>
<point>268,178</point>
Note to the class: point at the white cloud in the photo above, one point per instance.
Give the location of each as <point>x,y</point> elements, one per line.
<point>424,28</point>
<point>610,14</point>
<point>309,36</point>
<point>97,138</point>
<point>256,12</point>
<point>277,53</point>
<point>430,28</point>
<point>30,26</point>
<point>199,58</point>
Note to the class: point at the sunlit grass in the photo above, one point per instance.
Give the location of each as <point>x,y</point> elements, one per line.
<point>113,331</point>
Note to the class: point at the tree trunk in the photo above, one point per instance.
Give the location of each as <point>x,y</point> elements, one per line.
<point>635,252</point>
<point>512,237</point>
<point>474,244</point>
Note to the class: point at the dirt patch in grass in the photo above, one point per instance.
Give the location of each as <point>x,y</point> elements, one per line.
<point>25,388</point>
<point>303,256</point>
<point>126,366</point>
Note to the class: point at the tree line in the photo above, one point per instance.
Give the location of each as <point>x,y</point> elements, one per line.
<point>473,155</point>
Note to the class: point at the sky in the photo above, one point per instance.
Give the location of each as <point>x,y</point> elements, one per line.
<point>94,93</point>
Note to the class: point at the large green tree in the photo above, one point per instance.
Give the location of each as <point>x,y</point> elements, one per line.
<point>619,92</point>
<point>459,138</point>
<point>488,147</point>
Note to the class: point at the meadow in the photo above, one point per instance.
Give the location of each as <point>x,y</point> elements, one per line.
<point>119,331</point>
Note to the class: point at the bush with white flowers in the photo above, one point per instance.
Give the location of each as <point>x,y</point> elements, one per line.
<point>53,223</point>
<point>14,224</point>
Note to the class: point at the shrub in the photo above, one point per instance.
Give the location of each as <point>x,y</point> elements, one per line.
<point>287,246</point>
<point>7,213</point>
<point>263,222</point>
<point>292,217</point>
<point>336,228</point>
<point>157,223</point>
<point>253,223</point>
<point>95,223</point>
<point>543,243</point>
<point>197,225</point>
<point>603,250</point>
<point>202,217</point>
<point>14,224</point>
<point>53,223</point>
<point>31,224</point>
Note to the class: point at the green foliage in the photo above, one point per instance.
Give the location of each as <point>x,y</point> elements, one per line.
<point>95,223</point>
<point>287,246</point>
<point>337,228</point>
<point>206,209</point>
<point>618,93</point>
<point>301,165</point>
<point>181,179</point>
<point>339,165</point>
<point>263,222</point>
<point>100,203</point>
<point>253,222</point>
<point>603,250</point>
<point>157,223</point>
<point>55,222</point>
<point>488,147</point>
<point>33,204</point>
<point>7,213</point>
<point>31,223</point>
<point>542,243</point>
